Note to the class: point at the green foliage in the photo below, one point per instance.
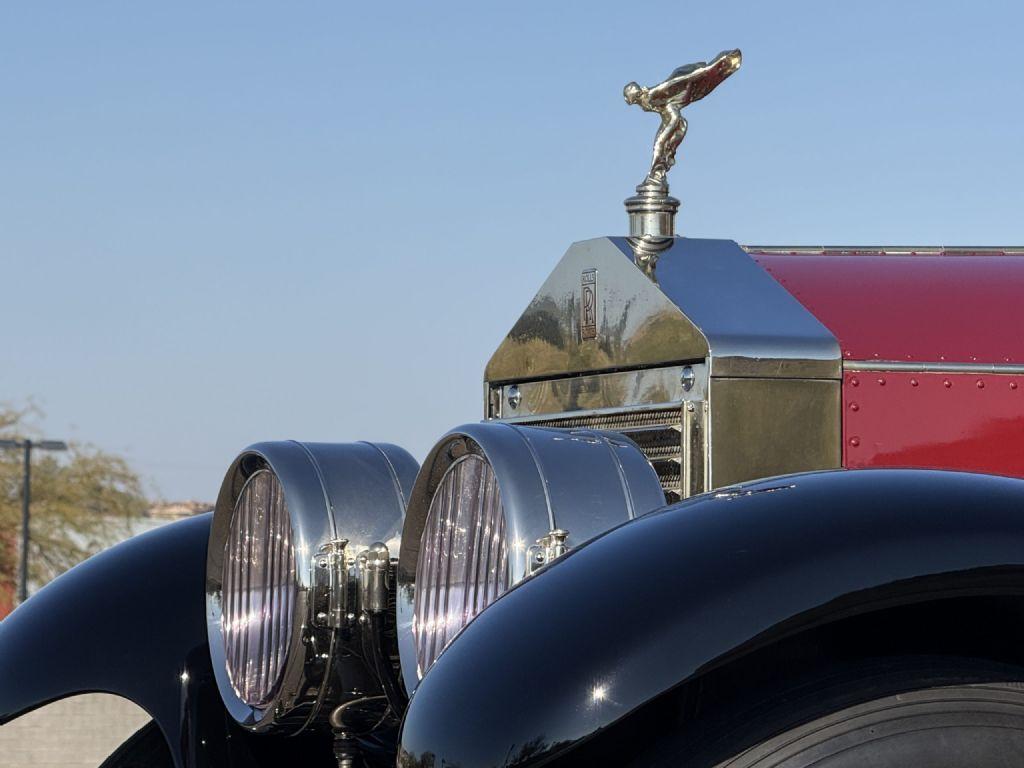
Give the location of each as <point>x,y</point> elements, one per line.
<point>83,500</point>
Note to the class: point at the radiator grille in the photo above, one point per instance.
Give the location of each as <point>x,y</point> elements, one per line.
<point>658,433</point>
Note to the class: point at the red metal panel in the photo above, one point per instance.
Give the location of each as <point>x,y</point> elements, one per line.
<point>942,421</point>
<point>925,308</point>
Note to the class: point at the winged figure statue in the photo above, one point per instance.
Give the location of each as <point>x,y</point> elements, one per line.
<point>684,86</point>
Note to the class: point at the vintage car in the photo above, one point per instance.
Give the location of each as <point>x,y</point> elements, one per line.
<point>729,505</point>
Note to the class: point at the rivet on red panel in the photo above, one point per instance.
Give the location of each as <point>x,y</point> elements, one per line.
<point>854,441</point>
<point>854,407</point>
<point>981,384</point>
<point>881,381</point>
<point>854,381</point>
<point>947,383</point>
<point>913,382</point>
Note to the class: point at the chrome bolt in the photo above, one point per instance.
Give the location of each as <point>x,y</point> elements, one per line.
<point>514,397</point>
<point>688,377</point>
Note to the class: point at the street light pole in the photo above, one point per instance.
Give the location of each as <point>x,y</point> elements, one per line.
<point>26,501</point>
<point>26,446</point>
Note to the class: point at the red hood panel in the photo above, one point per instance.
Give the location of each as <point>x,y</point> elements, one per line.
<point>928,308</point>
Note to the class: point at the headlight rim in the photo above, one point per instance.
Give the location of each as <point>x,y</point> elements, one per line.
<point>289,620</point>
<point>297,477</point>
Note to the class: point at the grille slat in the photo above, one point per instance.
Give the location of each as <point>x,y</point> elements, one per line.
<point>657,432</point>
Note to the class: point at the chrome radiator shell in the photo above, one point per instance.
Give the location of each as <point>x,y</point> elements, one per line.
<point>604,343</point>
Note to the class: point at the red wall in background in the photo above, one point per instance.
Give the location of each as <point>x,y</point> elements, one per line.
<point>7,579</point>
<point>6,599</point>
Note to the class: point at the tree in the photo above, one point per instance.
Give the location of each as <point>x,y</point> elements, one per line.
<point>82,501</point>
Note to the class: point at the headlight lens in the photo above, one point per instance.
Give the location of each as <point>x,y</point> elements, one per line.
<point>463,564</point>
<point>259,589</point>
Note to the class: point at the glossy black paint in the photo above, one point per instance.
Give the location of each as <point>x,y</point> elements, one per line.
<point>669,596</point>
<point>129,621</point>
<point>132,621</point>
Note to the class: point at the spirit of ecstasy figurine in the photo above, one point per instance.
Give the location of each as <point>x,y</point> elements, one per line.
<point>651,210</point>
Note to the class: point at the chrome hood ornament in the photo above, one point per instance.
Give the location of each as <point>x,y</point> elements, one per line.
<point>652,211</point>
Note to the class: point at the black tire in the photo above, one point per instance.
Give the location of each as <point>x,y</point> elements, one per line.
<point>146,748</point>
<point>891,713</point>
<point>951,727</point>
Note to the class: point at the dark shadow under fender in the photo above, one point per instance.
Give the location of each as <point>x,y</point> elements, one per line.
<point>663,599</point>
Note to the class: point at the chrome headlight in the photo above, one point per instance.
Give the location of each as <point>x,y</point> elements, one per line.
<point>492,503</point>
<point>287,519</point>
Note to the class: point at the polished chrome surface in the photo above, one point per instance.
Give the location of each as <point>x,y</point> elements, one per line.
<point>684,86</point>
<point>754,326</point>
<point>931,367</point>
<point>638,325</point>
<point>373,564</point>
<point>695,464</point>
<point>712,308</point>
<point>652,223</point>
<point>687,378</point>
<point>547,549</point>
<point>329,594</point>
<point>332,492</point>
<point>766,427</point>
<point>581,481</point>
<point>711,302</point>
<point>627,389</point>
<point>513,396</point>
<point>666,442</point>
<point>652,210</point>
<point>725,430</point>
<point>644,405</point>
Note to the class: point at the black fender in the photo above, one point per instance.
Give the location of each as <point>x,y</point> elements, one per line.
<point>129,621</point>
<point>662,599</point>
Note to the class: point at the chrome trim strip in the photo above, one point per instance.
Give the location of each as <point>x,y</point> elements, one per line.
<point>884,250</point>
<point>623,389</point>
<point>931,367</point>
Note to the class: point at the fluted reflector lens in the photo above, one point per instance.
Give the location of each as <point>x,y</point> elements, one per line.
<point>259,589</point>
<point>463,563</point>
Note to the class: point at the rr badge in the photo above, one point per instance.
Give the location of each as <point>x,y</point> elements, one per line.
<point>588,305</point>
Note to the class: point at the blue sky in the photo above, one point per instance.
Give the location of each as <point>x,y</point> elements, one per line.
<point>227,222</point>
